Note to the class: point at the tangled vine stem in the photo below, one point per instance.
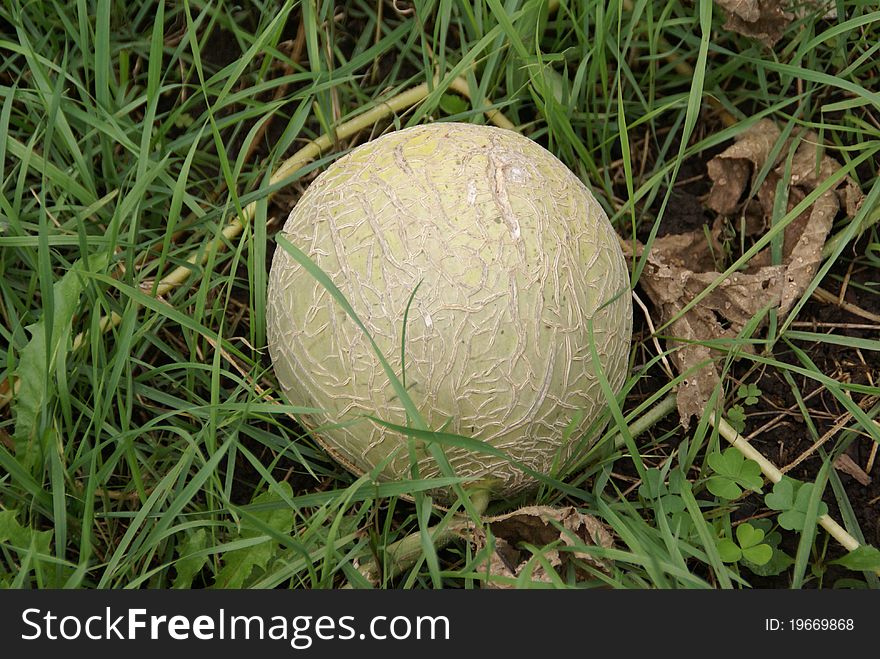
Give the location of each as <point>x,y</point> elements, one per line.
<point>740,443</point>
<point>648,419</point>
<point>314,149</point>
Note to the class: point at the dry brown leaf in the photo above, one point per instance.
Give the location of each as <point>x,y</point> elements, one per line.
<point>538,526</point>
<point>681,266</point>
<point>723,313</point>
<point>847,465</point>
<point>732,170</point>
<point>764,20</point>
<point>805,236</point>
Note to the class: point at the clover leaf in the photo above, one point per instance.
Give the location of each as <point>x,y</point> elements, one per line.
<point>729,551</point>
<point>737,416</point>
<point>748,546</point>
<point>668,502</point>
<point>749,393</point>
<point>792,499</point>
<point>749,538</point>
<point>675,510</point>
<point>733,473</point>
<point>779,562</point>
<point>782,496</point>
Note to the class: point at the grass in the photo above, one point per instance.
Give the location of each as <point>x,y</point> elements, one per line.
<point>143,441</point>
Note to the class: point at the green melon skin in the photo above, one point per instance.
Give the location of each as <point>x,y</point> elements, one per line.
<point>515,258</point>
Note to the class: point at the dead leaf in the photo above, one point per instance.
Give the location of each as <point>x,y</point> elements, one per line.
<point>538,526</point>
<point>764,20</point>
<point>732,170</point>
<point>681,266</point>
<point>846,464</point>
<point>805,236</point>
<point>723,313</point>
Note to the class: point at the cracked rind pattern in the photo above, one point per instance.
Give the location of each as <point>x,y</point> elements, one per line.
<point>515,257</point>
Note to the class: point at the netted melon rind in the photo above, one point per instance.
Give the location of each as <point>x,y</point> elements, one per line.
<point>515,258</point>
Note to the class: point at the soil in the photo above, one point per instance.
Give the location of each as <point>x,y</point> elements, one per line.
<point>787,440</point>
<point>789,436</point>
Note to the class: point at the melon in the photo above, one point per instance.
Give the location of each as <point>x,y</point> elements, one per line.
<point>518,271</point>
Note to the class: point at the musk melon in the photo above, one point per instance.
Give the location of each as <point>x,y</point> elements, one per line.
<point>518,269</point>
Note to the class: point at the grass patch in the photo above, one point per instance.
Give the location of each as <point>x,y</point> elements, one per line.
<point>143,440</point>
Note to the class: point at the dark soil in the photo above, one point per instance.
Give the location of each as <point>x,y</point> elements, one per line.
<point>788,439</point>
<point>789,436</point>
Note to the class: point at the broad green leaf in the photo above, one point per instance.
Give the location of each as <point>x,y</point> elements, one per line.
<point>21,536</point>
<point>779,562</point>
<point>453,104</point>
<point>238,564</point>
<point>754,551</point>
<point>188,565</point>
<point>39,358</point>
<point>737,416</point>
<point>865,557</point>
<point>652,486</point>
<point>723,487</point>
<point>749,393</point>
<point>748,546</point>
<point>10,530</point>
<point>794,518</point>
<point>26,543</point>
<point>782,496</point>
<point>674,509</point>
